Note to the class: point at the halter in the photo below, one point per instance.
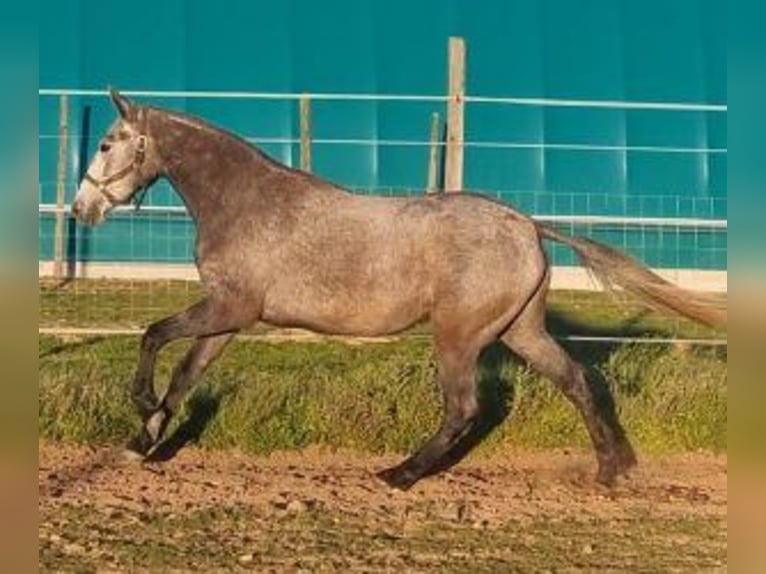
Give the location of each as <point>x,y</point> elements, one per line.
<point>135,165</point>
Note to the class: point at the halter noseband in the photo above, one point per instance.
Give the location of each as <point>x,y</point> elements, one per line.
<point>135,165</point>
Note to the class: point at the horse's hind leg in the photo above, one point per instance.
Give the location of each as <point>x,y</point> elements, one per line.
<point>457,378</point>
<point>529,339</point>
<point>202,353</point>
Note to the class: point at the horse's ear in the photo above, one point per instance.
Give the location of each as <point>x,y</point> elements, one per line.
<point>124,106</point>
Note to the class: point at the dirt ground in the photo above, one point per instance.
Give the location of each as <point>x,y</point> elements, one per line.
<point>325,511</point>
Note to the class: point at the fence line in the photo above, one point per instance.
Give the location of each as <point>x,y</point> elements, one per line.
<point>131,331</point>
<point>49,208</point>
<point>327,96</point>
<point>609,104</point>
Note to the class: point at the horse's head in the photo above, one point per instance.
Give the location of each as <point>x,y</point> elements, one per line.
<point>126,162</point>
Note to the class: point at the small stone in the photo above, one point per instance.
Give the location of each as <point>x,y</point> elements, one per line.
<point>587,549</point>
<point>245,559</point>
<point>54,538</point>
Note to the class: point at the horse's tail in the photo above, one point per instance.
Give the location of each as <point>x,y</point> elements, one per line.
<point>615,269</point>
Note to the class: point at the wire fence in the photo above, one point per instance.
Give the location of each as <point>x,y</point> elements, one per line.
<point>378,97</point>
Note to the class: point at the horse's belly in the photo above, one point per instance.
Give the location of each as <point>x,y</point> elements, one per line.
<point>372,315</point>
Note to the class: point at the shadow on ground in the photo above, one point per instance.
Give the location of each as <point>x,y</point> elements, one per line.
<point>70,346</point>
<point>201,408</point>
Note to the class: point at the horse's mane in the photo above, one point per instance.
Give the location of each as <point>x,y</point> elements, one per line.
<point>202,125</point>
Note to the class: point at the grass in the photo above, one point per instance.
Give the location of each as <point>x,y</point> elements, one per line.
<point>237,538</point>
<point>379,397</point>
<point>376,397</point>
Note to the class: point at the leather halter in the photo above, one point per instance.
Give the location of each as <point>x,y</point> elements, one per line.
<point>138,160</point>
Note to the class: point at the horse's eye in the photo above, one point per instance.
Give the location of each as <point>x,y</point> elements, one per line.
<point>104,147</point>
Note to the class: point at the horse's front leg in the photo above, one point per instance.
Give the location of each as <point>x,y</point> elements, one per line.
<point>209,317</point>
<point>202,353</point>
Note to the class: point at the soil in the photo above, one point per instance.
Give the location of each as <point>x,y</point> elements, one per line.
<point>318,510</point>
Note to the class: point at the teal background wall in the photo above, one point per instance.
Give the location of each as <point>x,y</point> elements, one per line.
<point>633,50</point>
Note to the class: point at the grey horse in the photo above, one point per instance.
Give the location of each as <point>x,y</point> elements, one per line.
<point>282,246</point>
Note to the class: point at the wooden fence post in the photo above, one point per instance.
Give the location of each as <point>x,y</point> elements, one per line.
<point>453,178</point>
<point>61,182</point>
<point>433,155</point>
<point>305,112</point>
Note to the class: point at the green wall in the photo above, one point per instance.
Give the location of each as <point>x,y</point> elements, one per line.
<point>647,50</point>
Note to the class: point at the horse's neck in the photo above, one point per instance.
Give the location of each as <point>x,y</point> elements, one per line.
<point>203,163</point>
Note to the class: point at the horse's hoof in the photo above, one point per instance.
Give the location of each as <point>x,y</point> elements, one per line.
<point>397,477</point>
<point>140,445</point>
<point>626,459</point>
<point>606,476</point>
<point>617,464</point>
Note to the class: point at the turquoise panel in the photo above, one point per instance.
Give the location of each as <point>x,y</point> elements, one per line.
<point>236,45</point>
<point>582,49</point>
<point>663,50</point>
<point>667,174</point>
<point>505,47</point>
<point>409,40</point>
<point>505,169</point>
<point>568,171</point>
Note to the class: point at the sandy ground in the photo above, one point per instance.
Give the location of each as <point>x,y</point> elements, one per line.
<point>78,484</point>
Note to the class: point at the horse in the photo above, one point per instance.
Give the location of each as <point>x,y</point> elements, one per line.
<point>282,246</point>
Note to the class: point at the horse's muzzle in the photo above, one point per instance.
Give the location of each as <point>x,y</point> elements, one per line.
<point>86,214</point>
